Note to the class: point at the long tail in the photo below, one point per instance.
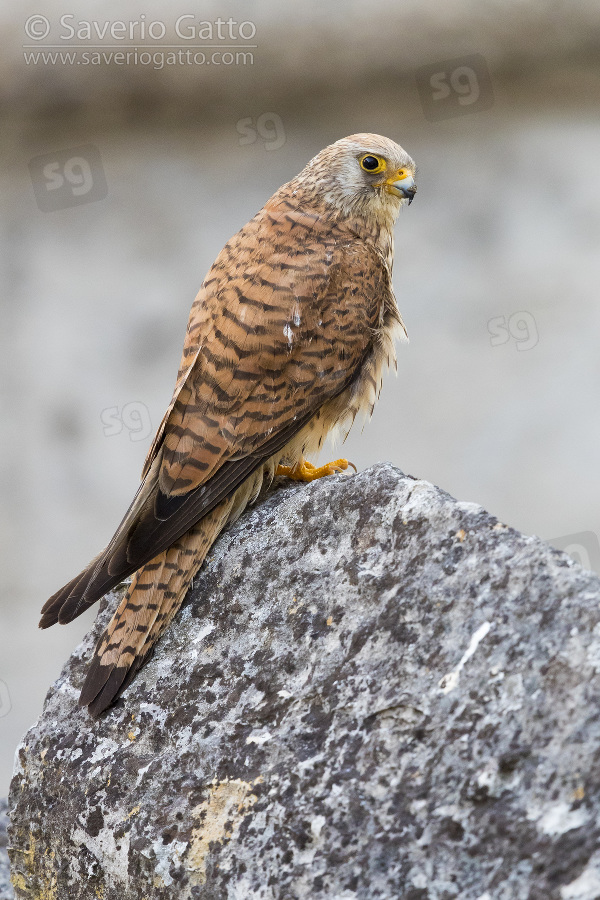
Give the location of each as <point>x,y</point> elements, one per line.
<point>153,598</point>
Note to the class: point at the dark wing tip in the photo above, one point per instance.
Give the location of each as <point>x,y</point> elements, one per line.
<point>73,606</point>
<point>51,610</point>
<point>79,594</point>
<point>48,619</point>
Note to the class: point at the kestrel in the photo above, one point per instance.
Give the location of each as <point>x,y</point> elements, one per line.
<point>287,339</point>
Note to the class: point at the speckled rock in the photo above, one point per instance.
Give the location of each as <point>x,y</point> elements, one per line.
<point>6,891</point>
<point>373,691</point>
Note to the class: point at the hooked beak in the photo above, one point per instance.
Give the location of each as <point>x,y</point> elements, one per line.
<point>402,184</point>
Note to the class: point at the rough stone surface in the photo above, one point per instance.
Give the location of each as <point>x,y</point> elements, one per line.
<point>373,691</point>
<point>6,891</point>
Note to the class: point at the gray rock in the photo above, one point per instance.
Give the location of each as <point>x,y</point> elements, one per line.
<point>372,691</point>
<point>6,891</point>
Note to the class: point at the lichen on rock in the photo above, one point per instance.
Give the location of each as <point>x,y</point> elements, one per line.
<point>372,691</point>
<point>6,891</point>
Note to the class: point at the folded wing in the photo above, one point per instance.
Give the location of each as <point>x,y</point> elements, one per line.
<point>283,323</point>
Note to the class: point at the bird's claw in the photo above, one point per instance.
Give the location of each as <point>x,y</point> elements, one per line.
<point>305,471</point>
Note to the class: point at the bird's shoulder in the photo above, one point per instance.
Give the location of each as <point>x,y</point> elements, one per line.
<point>286,252</point>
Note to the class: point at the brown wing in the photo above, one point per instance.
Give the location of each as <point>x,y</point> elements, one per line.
<point>282,324</point>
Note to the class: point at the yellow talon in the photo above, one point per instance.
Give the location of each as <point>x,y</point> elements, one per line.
<point>305,471</point>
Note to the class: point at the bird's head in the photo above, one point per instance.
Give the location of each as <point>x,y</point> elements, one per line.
<point>363,175</point>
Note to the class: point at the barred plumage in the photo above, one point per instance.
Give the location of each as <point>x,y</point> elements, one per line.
<point>287,339</point>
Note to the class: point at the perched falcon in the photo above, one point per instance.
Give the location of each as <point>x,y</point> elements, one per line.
<point>288,337</point>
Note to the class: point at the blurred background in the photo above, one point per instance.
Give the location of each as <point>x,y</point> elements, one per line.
<point>123,175</point>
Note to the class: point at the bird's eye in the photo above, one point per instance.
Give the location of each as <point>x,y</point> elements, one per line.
<point>372,163</point>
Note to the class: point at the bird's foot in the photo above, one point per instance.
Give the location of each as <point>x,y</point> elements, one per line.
<point>305,471</point>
